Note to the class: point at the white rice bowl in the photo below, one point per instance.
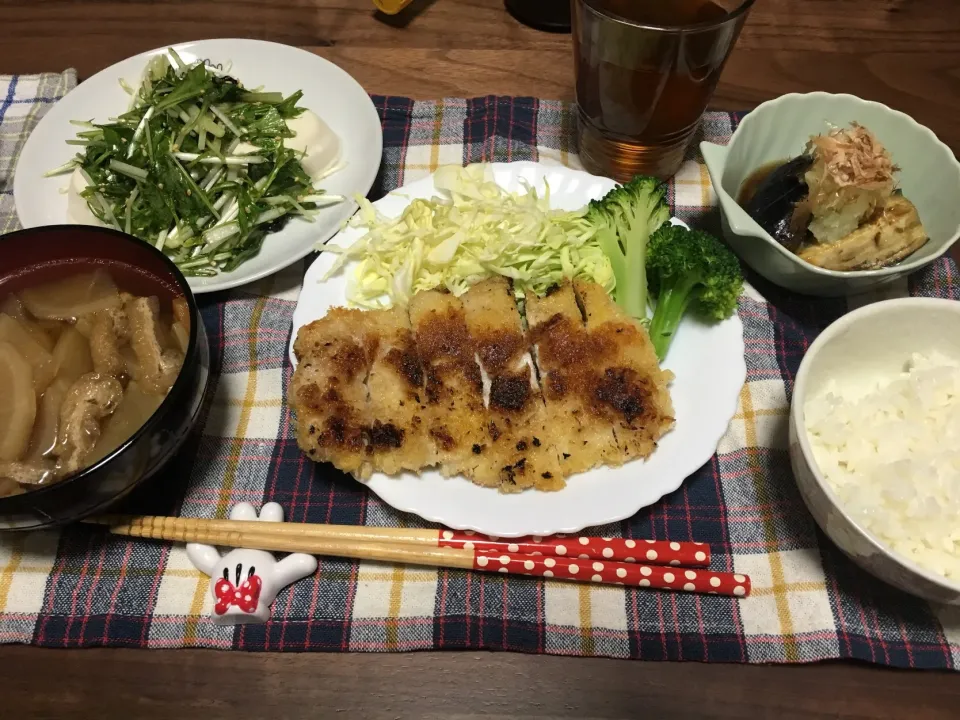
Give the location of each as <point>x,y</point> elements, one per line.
<point>891,453</point>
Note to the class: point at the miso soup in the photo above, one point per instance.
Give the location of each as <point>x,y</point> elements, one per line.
<point>88,351</point>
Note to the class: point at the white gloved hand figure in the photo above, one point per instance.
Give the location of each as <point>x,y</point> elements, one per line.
<point>244,583</point>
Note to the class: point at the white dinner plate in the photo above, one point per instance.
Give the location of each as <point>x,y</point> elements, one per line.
<point>707,360</point>
<point>327,90</point>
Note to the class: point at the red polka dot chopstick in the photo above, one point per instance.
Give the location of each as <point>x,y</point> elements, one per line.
<point>658,577</point>
<point>597,560</point>
<point>652,552</point>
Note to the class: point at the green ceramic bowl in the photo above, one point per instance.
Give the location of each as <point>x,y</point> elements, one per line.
<point>779,129</point>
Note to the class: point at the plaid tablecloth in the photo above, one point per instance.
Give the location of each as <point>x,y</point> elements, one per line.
<point>76,587</point>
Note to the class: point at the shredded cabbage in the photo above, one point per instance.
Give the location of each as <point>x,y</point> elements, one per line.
<point>475,229</point>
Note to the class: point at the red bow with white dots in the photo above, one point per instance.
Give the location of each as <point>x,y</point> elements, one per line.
<point>244,597</point>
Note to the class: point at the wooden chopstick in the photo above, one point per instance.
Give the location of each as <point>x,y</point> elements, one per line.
<point>651,552</point>
<point>281,537</point>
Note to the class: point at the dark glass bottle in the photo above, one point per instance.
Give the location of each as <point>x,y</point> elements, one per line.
<point>547,15</point>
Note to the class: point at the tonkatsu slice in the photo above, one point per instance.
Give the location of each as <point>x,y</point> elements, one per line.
<point>328,390</point>
<point>517,452</point>
<point>631,389</point>
<point>397,397</point>
<point>565,358</point>
<point>456,419</point>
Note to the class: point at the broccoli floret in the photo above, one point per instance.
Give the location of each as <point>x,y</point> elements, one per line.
<point>689,269</point>
<point>624,220</point>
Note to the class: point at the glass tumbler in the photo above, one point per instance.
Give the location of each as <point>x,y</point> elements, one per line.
<point>645,71</point>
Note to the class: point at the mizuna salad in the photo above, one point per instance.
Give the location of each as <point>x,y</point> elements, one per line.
<point>201,167</point>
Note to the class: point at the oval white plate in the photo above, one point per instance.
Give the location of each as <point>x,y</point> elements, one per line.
<point>707,360</point>
<point>327,90</point>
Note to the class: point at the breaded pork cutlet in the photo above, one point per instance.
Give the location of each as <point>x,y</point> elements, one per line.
<point>328,390</point>
<point>630,388</point>
<point>456,419</point>
<point>566,359</point>
<point>516,452</point>
<point>397,399</point>
<point>454,385</point>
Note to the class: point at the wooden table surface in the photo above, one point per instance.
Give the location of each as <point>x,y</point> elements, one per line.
<point>904,53</point>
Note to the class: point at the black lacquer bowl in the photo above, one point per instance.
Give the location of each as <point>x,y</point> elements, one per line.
<point>43,253</point>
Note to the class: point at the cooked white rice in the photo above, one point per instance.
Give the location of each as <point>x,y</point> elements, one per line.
<point>892,455</point>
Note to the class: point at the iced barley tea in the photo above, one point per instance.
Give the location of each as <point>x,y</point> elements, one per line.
<point>645,71</point>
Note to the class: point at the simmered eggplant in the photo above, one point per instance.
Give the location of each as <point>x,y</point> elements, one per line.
<point>774,202</point>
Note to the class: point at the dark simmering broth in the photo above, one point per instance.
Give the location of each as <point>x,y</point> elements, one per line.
<point>88,351</point>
